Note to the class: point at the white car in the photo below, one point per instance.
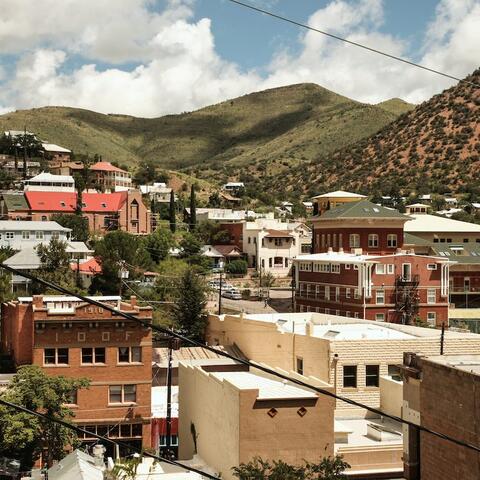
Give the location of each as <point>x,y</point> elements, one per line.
<point>232,294</point>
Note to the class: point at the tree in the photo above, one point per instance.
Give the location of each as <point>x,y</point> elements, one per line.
<point>159,243</point>
<point>25,437</point>
<point>145,173</point>
<point>190,245</point>
<point>77,223</point>
<point>193,209</point>
<point>214,200</point>
<point>118,250</point>
<point>55,264</point>
<point>188,313</point>
<point>5,277</point>
<point>173,219</point>
<point>327,469</point>
<point>238,267</point>
<point>80,185</point>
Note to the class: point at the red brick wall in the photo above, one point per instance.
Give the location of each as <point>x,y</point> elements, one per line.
<point>235,230</point>
<point>363,232</point>
<point>17,333</point>
<point>449,400</point>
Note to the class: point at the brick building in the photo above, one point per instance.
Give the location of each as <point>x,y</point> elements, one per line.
<point>110,177</point>
<point>441,393</point>
<point>104,211</point>
<point>68,337</point>
<point>397,288</point>
<point>359,268</point>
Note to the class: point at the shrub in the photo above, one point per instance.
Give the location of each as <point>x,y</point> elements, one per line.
<point>238,267</point>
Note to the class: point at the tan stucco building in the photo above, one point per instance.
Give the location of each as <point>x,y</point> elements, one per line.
<point>228,418</point>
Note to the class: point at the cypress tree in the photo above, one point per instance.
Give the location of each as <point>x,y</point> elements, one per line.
<point>173,220</point>
<point>193,209</point>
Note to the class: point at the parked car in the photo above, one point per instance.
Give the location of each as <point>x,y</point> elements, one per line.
<point>233,294</point>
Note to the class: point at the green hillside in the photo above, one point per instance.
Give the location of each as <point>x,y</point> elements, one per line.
<point>396,106</point>
<point>271,130</point>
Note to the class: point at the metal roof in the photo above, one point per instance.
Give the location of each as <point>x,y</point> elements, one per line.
<point>435,224</point>
<point>361,209</point>
<point>13,225</point>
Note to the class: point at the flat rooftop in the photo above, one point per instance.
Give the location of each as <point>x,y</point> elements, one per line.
<point>339,328</point>
<point>268,389</point>
<point>465,363</point>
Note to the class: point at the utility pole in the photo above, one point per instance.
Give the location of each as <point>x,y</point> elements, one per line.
<point>220,294</point>
<point>173,344</point>
<point>25,152</point>
<point>442,338</point>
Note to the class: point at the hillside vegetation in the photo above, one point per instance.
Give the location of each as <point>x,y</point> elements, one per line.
<point>262,133</point>
<point>434,147</point>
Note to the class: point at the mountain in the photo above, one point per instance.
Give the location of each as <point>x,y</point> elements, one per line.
<point>434,147</point>
<point>265,132</point>
<point>396,106</point>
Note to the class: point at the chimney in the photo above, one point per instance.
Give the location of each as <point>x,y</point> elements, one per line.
<point>340,250</point>
<point>133,300</point>
<point>37,301</point>
<point>330,250</point>
<point>308,328</point>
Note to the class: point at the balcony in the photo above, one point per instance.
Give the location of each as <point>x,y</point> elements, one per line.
<point>464,290</point>
<point>411,281</point>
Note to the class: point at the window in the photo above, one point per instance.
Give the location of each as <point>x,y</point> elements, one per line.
<point>392,240</point>
<point>350,376</point>
<point>380,297</point>
<point>327,311</point>
<point>9,235</point>
<point>406,271</point>
<point>431,266</point>
<point>55,235</point>
<point>348,292</point>
<point>327,292</point>
<point>371,375</point>
<point>72,399</point>
<point>337,295</point>
<point>354,240</point>
<point>373,240</point>
<point>129,354</point>
<point>39,235</point>
<point>55,356</point>
<point>122,393</point>
<point>390,269</point>
<point>335,268</point>
<point>432,318</point>
<point>249,240</point>
<point>394,372</point>
<point>379,317</point>
<point>300,365</point>
<point>347,266</point>
<point>431,295</point>
<point>356,293</point>
<point>380,269</point>
<point>26,235</point>
<point>465,240</point>
<point>93,355</point>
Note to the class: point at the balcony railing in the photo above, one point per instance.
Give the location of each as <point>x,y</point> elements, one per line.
<point>464,290</point>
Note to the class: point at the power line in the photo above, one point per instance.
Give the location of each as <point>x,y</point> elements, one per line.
<point>242,361</point>
<point>351,42</point>
<point>77,429</point>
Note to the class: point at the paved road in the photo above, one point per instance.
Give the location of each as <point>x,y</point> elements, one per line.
<point>280,301</point>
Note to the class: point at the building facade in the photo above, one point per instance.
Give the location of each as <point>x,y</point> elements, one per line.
<point>441,393</point>
<point>65,336</point>
<point>228,418</point>
<point>110,177</point>
<point>46,182</point>
<point>399,288</point>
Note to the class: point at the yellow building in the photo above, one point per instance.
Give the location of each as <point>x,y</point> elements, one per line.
<point>228,418</point>
<point>326,201</point>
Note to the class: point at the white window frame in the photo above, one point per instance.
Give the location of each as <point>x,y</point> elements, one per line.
<point>327,292</point>
<point>122,393</point>
<point>9,235</point>
<point>380,294</point>
<point>390,269</point>
<point>432,318</point>
<point>392,240</point>
<point>373,240</point>
<point>354,240</point>
<point>380,269</point>
<point>348,293</point>
<point>335,268</point>
<point>39,234</point>
<point>26,235</point>
<point>431,296</point>
<point>379,317</point>
<point>431,266</point>
<point>131,349</point>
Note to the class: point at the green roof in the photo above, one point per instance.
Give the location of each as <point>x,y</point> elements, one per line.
<point>409,239</point>
<point>361,209</point>
<point>15,202</point>
<point>466,253</point>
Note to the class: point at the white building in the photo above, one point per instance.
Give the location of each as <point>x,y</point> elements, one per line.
<point>271,245</point>
<point>227,215</point>
<point>19,235</point>
<point>233,187</point>
<point>158,192</point>
<point>46,182</point>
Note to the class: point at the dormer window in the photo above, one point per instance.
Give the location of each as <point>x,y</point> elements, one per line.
<point>104,205</point>
<point>84,204</point>
<point>62,204</point>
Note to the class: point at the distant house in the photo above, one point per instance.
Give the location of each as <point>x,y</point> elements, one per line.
<point>56,152</point>
<point>65,167</point>
<point>46,182</point>
<point>111,177</point>
<point>15,168</point>
<point>18,235</point>
<point>159,192</point>
<point>14,206</point>
<point>326,201</point>
<point>234,187</point>
<point>104,211</point>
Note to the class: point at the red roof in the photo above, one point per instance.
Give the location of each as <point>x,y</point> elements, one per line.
<point>90,267</point>
<point>277,234</point>
<point>106,167</point>
<point>66,201</point>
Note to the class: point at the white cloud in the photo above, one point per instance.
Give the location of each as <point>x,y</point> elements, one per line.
<point>180,70</point>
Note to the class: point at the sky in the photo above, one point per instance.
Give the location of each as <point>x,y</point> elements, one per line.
<point>155,57</point>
